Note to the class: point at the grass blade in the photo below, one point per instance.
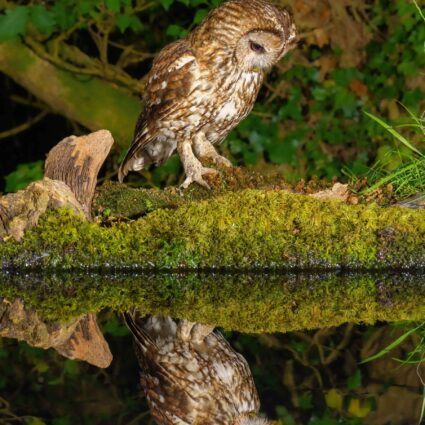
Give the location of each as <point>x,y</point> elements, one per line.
<point>390,347</point>
<point>421,417</point>
<point>419,9</point>
<point>389,178</point>
<point>394,133</point>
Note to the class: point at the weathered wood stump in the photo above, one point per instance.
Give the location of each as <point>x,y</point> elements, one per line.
<point>70,181</point>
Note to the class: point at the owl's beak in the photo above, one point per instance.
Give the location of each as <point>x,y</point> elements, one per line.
<point>256,69</point>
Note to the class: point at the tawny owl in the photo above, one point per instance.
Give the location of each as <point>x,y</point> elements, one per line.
<point>191,375</point>
<point>202,86</point>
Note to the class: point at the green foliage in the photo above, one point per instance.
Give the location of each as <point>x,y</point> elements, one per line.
<point>62,15</point>
<point>407,175</point>
<point>13,22</point>
<point>354,381</point>
<point>23,175</point>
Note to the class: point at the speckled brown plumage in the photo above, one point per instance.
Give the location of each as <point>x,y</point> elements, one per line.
<point>201,87</point>
<point>191,375</point>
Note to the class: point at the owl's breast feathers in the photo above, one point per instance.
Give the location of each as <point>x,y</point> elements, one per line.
<point>188,382</point>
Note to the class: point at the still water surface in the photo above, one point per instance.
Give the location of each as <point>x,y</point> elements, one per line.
<point>302,335</point>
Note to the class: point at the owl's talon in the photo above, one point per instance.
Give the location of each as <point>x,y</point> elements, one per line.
<point>222,161</point>
<point>196,176</point>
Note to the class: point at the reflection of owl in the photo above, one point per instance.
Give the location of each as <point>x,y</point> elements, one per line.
<point>202,86</point>
<point>191,375</point>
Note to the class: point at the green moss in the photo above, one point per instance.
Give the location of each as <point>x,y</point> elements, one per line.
<point>125,201</point>
<point>247,303</point>
<point>246,230</point>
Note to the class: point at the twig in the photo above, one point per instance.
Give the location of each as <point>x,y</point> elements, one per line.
<point>25,126</point>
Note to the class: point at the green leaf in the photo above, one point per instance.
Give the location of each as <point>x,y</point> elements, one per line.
<point>166,3</point>
<point>71,367</point>
<point>43,19</point>
<point>306,401</point>
<point>319,93</point>
<point>284,415</point>
<point>13,22</point>
<point>64,15</point>
<point>23,175</point>
<point>84,7</point>
<point>123,22</point>
<point>174,30</point>
<point>354,381</point>
<point>113,5</point>
<point>136,24</point>
<point>115,328</point>
<point>200,15</point>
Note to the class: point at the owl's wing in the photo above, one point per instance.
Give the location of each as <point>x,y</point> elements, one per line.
<point>238,384</point>
<point>163,378</point>
<point>171,79</point>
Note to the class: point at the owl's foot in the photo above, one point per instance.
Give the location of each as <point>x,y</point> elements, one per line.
<point>204,149</point>
<point>219,160</point>
<point>192,166</point>
<point>195,175</point>
<point>195,332</point>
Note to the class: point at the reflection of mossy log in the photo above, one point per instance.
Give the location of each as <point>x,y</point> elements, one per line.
<point>249,229</point>
<point>248,303</point>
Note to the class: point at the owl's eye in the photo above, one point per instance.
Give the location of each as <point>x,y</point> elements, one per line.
<point>257,48</point>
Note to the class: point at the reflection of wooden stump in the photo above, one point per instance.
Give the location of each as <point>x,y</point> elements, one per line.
<point>80,339</point>
<point>87,343</point>
<point>77,161</point>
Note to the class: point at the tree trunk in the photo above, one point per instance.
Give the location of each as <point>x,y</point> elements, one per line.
<point>92,102</point>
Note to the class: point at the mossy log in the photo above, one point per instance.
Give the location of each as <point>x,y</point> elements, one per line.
<point>244,230</point>
<point>247,222</point>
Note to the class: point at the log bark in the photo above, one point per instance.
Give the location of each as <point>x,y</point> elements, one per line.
<point>76,161</point>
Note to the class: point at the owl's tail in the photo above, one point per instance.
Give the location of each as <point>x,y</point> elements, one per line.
<point>147,330</point>
<point>137,156</point>
<point>136,325</point>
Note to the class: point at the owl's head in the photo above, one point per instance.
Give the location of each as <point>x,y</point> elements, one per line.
<point>263,46</point>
